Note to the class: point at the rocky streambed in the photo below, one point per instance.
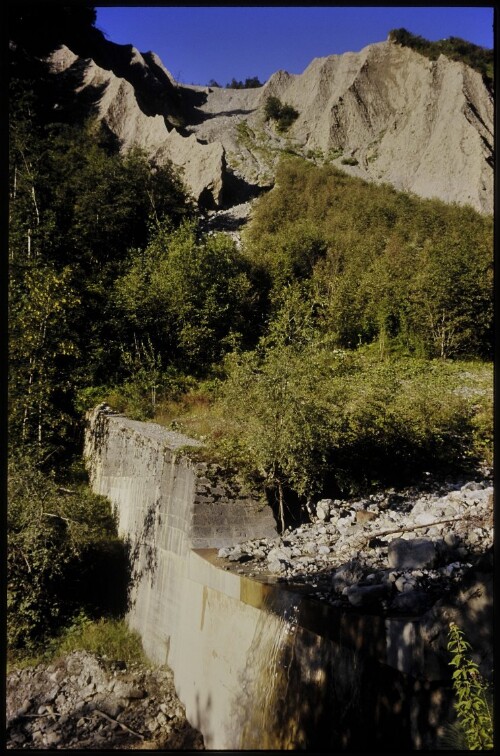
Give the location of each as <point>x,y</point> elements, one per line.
<point>229,221</point>
<point>394,552</point>
<point>86,702</point>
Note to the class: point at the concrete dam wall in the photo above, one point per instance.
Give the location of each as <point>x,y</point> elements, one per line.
<point>256,665</point>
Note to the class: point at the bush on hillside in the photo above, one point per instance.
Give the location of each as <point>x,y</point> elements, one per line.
<point>477,57</point>
<point>314,420</point>
<point>283,114</point>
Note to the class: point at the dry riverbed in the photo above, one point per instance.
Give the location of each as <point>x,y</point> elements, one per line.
<point>86,702</point>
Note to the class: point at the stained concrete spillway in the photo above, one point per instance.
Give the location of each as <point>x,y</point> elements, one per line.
<point>257,665</point>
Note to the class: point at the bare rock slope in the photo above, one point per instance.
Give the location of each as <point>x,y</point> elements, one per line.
<point>386,113</point>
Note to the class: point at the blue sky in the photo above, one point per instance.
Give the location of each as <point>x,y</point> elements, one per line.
<point>197,44</point>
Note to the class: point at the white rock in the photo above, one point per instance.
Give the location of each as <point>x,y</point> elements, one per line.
<point>323,508</point>
<point>276,566</point>
<point>310,547</point>
<point>280,552</point>
<point>424,518</point>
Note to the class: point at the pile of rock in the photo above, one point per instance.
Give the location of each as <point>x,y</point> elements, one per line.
<point>83,701</point>
<point>391,551</point>
<point>229,221</point>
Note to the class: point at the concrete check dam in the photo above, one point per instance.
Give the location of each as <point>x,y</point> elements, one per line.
<point>258,665</point>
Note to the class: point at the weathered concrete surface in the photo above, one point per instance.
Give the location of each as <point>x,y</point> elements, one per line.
<point>161,493</point>
<point>188,617</point>
<point>255,666</point>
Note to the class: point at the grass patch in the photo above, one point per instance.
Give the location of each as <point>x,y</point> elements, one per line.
<point>334,153</point>
<point>106,637</point>
<point>190,413</point>
<point>245,135</point>
<point>110,638</point>
<point>315,155</point>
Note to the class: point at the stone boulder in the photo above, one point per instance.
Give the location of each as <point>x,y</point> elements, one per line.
<point>323,509</point>
<point>347,575</point>
<point>411,554</point>
<point>366,596</point>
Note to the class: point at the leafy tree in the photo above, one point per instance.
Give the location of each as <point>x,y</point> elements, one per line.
<point>76,206</point>
<point>385,266</point>
<point>279,421</point>
<point>296,249</point>
<point>52,532</point>
<point>43,350</point>
<point>451,294</point>
<point>249,83</point>
<point>309,419</point>
<point>252,82</point>
<point>295,318</point>
<point>191,297</point>
<point>40,28</point>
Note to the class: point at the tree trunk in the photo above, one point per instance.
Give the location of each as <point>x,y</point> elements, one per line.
<point>39,424</point>
<point>27,401</point>
<point>281,507</point>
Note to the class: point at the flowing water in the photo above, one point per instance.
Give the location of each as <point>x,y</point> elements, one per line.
<point>284,684</point>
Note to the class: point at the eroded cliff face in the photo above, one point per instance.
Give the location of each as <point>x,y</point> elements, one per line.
<point>136,120</point>
<point>395,116</point>
<point>423,126</point>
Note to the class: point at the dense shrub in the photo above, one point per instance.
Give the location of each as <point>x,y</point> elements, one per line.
<point>76,207</point>
<point>283,114</point>
<point>304,418</point>
<point>189,296</point>
<point>63,553</point>
<point>413,275</point>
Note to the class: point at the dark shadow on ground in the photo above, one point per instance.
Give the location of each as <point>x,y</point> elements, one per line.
<point>236,190</point>
<point>336,678</point>
<point>197,116</point>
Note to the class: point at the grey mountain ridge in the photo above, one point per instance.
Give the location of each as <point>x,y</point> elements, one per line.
<point>422,126</point>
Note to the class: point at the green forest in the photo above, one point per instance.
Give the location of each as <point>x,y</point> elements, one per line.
<point>347,346</point>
